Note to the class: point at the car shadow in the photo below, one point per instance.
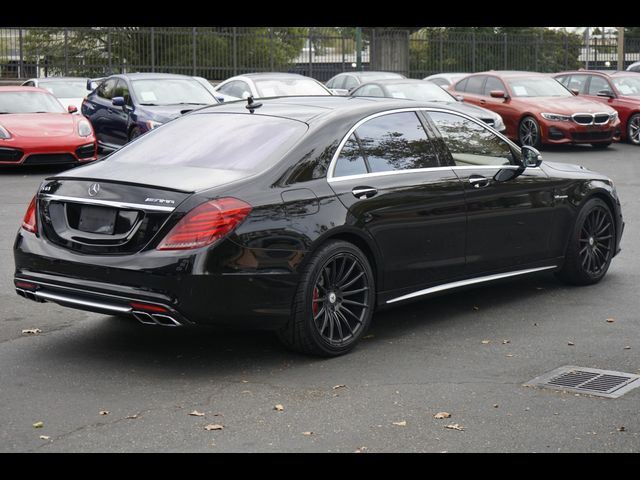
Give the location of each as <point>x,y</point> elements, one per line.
<point>121,345</point>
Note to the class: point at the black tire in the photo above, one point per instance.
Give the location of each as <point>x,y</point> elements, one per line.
<point>591,245</point>
<point>134,133</point>
<point>633,129</point>
<point>601,146</point>
<point>529,132</point>
<point>325,321</point>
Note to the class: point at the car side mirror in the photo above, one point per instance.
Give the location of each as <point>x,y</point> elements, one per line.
<point>118,102</point>
<point>498,94</point>
<point>605,93</point>
<point>72,109</point>
<point>530,157</point>
<point>89,84</point>
<point>575,91</point>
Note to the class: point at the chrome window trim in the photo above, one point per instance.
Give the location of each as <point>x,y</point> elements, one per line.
<point>108,203</point>
<point>470,281</point>
<point>336,155</point>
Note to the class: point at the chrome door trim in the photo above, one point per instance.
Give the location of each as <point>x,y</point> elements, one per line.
<point>470,281</point>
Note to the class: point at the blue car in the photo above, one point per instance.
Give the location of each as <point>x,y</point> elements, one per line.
<point>124,107</point>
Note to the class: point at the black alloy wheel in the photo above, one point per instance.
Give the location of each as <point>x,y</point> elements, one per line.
<point>633,129</point>
<point>529,132</point>
<point>591,246</point>
<point>334,304</point>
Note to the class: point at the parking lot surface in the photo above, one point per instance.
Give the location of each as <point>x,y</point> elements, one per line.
<point>99,383</point>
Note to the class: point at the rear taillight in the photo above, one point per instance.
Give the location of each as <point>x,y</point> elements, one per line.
<point>205,224</point>
<point>29,223</point>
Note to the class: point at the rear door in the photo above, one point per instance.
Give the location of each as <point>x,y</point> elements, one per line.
<point>389,177</point>
<point>510,210</point>
<point>98,109</point>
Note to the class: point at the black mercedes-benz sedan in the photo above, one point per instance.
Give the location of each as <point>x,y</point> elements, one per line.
<point>306,214</point>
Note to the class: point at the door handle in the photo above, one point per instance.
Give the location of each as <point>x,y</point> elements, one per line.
<point>478,181</point>
<point>483,102</point>
<point>364,192</point>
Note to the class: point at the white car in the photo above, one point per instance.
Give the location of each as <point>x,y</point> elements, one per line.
<point>634,67</point>
<point>260,85</point>
<point>69,90</point>
<point>445,79</point>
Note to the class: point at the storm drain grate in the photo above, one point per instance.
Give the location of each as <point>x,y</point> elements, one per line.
<point>590,381</point>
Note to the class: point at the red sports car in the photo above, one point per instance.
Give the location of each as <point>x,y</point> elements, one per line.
<point>537,109</point>
<point>618,90</point>
<point>35,129</point>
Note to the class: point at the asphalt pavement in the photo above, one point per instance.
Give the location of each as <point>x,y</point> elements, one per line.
<point>103,384</point>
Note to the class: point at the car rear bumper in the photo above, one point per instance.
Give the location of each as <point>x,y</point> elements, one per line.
<point>165,288</point>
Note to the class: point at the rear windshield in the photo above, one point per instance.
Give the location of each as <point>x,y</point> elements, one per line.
<point>224,141</point>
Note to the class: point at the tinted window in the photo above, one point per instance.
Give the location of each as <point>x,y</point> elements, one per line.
<point>122,90</point>
<point>350,82</point>
<point>350,161</point>
<point>471,143</point>
<point>424,91</point>
<point>236,88</point>
<point>563,79</point>
<point>369,91</point>
<point>396,142</point>
<point>171,91</point>
<point>597,84</point>
<point>188,141</point>
<point>337,82</point>
<point>576,82</point>
<point>493,84</point>
<point>475,84</point>
<point>461,86</point>
<point>537,86</point>
<point>289,86</point>
<point>65,89</point>
<point>107,88</point>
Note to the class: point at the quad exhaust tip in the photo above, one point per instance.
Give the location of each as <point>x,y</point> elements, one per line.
<point>156,319</point>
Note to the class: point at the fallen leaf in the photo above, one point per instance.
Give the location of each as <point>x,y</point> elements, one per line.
<point>367,337</point>
<point>535,324</point>
<point>622,429</point>
<point>627,347</point>
<point>245,381</point>
<point>485,341</point>
<point>308,434</point>
<point>279,408</point>
<point>44,437</point>
<point>539,288</point>
<point>31,331</point>
<point>104,412</point>
<point>571,344</point>
<point>245,391</point>
<point>495,405</point>
<point>403,423</point>
<point>509,355</point>
<point>504,342</point>
<point>213,426</point>
<point>132,417</point>
<point>338,386</point>
<point>476,307</point>
<point>38,425</point>
<point>196,413</point>
<point>610,320</point>
<point>440,415</point>
<point>361,450</point>
<point>455,426</point>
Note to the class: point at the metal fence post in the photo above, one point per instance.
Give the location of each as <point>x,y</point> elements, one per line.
<point>193,31</point>
<point>536,54</point>
<point>566,51</point>
<point>271,48</point>
<point>109,56</point>
<point>235,51</point>
<point>506,58</point>
<point>21,64</point>
<point>66,51</point>
<point>153,50</point>
<point>344,60</point>
<point>441,41</point>
<point>473,51</point>
<point>310,55</point>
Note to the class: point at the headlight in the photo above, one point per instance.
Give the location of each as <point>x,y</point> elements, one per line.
<point>4,133</point>
<point>613,117</point>
<point>152,124</point>
<point>556,117</point>
<point>84,128</point>
<point>499,124</point>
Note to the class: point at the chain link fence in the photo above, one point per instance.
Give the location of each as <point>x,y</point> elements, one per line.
<point>217,53</point>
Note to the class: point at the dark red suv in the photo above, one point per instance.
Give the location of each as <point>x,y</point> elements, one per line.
<point>619,90</point>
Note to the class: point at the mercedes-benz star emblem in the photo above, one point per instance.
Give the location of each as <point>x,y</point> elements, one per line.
<point>94,189</point>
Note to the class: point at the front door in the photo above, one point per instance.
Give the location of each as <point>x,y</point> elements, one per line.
<point>389,177</point>
<point>510,210</point>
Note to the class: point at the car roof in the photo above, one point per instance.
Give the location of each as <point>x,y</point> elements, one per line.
<point>18,88</point>
<point>310,109</point>
<point>397,81</point>
<point>57,79</point>
<point>609,73</point>
<point>511,73</point>
<point>270,75</point>
<point>148,76</point>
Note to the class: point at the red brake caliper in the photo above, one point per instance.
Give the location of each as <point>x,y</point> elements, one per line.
<point>316,296</point>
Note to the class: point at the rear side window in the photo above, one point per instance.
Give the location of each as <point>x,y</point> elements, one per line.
<point>241,142</point>
<point>461,86</point>
<point>107,88</point>
<point>493,84</point>
<point>475,84</point>
<point>350,161</point>
<point>350,82</point>
<point>597,84</point>
<point>396,142</point>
